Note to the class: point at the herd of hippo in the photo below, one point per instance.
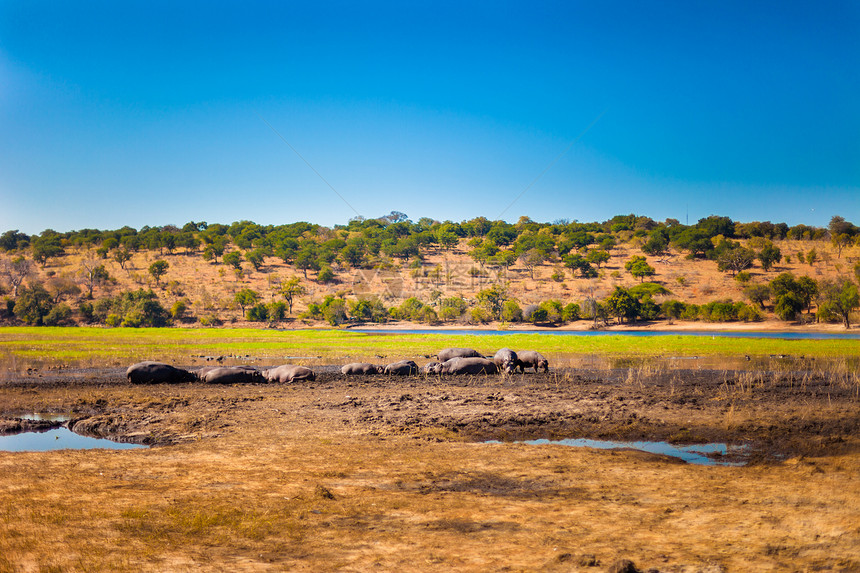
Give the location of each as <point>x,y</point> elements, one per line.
<point>450,361</point>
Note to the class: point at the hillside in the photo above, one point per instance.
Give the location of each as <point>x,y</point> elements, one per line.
<point>432,273</point>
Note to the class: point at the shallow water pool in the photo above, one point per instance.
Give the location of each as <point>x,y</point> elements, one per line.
<point>57,439</point>
<point>713,454</point>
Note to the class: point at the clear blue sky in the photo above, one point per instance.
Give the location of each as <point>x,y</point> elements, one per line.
<point>153,113</point>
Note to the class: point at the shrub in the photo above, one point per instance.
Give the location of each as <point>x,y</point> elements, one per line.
<point>690,312</point>
<point>452,308</point>
<point>571,312</point>
<point>553,310</point>
<point>480,315</point>
<point>86,311</point>
<point>59,315</point>
<point>131,308</point>
<point>673,309</point>
<point>277,310</point>
<point>177,311</point>
<point>539,315</point>
<point>511,312</point>
<point>210,320</point>
<point>367,310</point>
<point>258,313</point>
<point>326,275</point>
<point>749,313</point>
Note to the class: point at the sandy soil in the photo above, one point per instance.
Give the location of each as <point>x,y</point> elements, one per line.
<point>392,474</point>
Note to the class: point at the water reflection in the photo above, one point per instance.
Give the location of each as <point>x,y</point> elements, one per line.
<point>57,439</point>
<point>700,454</point>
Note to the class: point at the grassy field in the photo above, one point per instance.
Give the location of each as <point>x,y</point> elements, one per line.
<point>22,346</point>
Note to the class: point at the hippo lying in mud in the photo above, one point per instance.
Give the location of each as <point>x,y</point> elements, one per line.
<point>232,375</point>
<point>432,368</point>
<point>201,373</point>
<point>150,372</point>
<point>506,360</point>
<point>289,373</point>
<point>469,365</point>
<point>532,359</point>
<point>402,368</point>
<point>361,369</point>
<point>450,353</point>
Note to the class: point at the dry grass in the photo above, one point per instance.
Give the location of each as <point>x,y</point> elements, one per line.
<point>255,504</point>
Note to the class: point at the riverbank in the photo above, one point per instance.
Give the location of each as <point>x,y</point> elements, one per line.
<point>580,326</point>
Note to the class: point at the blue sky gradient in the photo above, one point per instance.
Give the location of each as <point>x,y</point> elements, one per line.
<point>152,113</point>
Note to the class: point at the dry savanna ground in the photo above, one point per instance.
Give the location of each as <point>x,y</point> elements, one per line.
<point>395,474</point>
<point>210,287</point>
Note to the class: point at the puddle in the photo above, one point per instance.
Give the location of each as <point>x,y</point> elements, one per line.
<point>57,439</point>
<point>48,417</point>
<point>700,454</point>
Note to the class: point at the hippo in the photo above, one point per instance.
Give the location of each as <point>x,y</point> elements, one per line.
<point>450,353</point>
<point>200,373</point>
<point>150,372</point>
<point>233,375</point>
<point>289,373</point>
<point>402,368</point>
<point>506,360</point>
<point>432,368</point>
<point>532,359</point>
<point>468,365</point>
<point>361,369</point>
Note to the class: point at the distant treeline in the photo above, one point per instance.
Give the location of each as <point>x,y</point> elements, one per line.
<point>310,246</point>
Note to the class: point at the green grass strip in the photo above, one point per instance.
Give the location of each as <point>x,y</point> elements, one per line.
<point>123,346</point>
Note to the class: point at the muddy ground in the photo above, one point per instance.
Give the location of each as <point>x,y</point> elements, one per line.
<point>424,492</point>
<point>776,414</point>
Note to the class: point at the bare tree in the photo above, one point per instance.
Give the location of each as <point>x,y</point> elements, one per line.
<point>93,274</point>
<point>15,270</point>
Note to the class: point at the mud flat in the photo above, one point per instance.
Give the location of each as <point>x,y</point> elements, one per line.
<point>396,473</point>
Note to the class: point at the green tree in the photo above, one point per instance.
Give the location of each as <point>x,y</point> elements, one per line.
<point>246,297</point>
<point>290,289</point>
<point>758,293</point>
<point>735,259</point>
<point>256,258</point>
<point>597,258</point>
<point>622,304</point>
<point>33,304</point>
<point>46,246</point>
<point>839,298</point>
<point>122,256</point>
<point>788,306</point>
<point>326,275</point>
<point>233,259</point>
<point>447,239</point>
<point>158,269</point>
<point>215,248</point>
<point>639,267</point>
<point>769,255</point>
<point>492,299</point>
